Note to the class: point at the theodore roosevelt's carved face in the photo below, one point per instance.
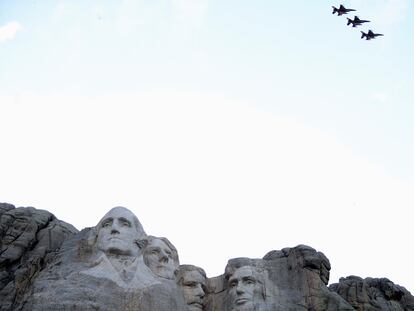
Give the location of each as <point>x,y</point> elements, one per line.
<point>193,285</point>
<point>118,232</point>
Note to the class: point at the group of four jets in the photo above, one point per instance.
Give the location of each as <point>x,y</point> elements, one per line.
<point>355,22</point>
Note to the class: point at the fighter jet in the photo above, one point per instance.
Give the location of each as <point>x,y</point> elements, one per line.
<point>370,35</point>
<point>342,10</point>
<point>356,22</point>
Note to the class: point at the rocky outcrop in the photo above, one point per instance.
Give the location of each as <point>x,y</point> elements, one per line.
<point>27,237</point>
<point>294,279</point>
<point>372,294</point>
<point>46,264</point>
<point>305,274</point>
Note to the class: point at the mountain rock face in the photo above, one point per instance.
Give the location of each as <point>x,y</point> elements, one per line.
<point>46,264</point>
<point>373,294</point>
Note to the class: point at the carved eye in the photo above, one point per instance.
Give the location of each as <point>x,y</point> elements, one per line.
<point>191,284</point>
<point>233,284</point>
<point>106,224</point>
<point>124,222</point>
<point>155,251</point>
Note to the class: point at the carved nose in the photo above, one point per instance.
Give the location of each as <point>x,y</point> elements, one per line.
<point>115,228</point>
<point>164,258</point>
<point>239,289</point>
<point>199,291</point>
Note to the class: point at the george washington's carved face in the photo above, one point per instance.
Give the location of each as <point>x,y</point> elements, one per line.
<point>117,233</point>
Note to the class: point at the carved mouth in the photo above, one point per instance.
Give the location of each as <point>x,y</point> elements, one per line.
<point>240,301</point>
<point>197,305</point>
<point>113,238</point>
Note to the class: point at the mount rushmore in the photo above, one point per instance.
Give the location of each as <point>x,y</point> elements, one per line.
<point>47,264</point>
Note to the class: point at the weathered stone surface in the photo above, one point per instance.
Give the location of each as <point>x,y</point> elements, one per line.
<point>46,264</point>
<point>374,294</point>
<point>103,268</point>
<point>290,279</point>
<point>4,207</point>
<point>28,237</point>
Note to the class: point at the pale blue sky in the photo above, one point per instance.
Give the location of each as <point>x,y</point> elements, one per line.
<point>216,84</point>
<point>295,57</point>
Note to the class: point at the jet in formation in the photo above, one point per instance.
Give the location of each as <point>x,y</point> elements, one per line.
<point>356,22</point>
<point>370,35</point>
<point>342,10</point>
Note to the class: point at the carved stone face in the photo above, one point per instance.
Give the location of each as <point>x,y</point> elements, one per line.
<point>159,258</point>
<point>117,233</point>
<point>244,289</point>
<point>193,285</point>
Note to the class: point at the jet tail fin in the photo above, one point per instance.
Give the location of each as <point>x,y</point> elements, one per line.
<point>349,21</point>
<point>364,35</point>
<point>334,10</point>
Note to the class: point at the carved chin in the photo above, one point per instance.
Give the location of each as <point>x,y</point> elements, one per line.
<point>195,306</point>
<point>115,246</point>
<point>165,273</point>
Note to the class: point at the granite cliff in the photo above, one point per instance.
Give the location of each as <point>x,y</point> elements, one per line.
<point>46,264</point>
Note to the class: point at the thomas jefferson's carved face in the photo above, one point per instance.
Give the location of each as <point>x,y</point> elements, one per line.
<point>159,258</point>
<point>193,285</point>
<point>117,233</point>
<point>244,289</point>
